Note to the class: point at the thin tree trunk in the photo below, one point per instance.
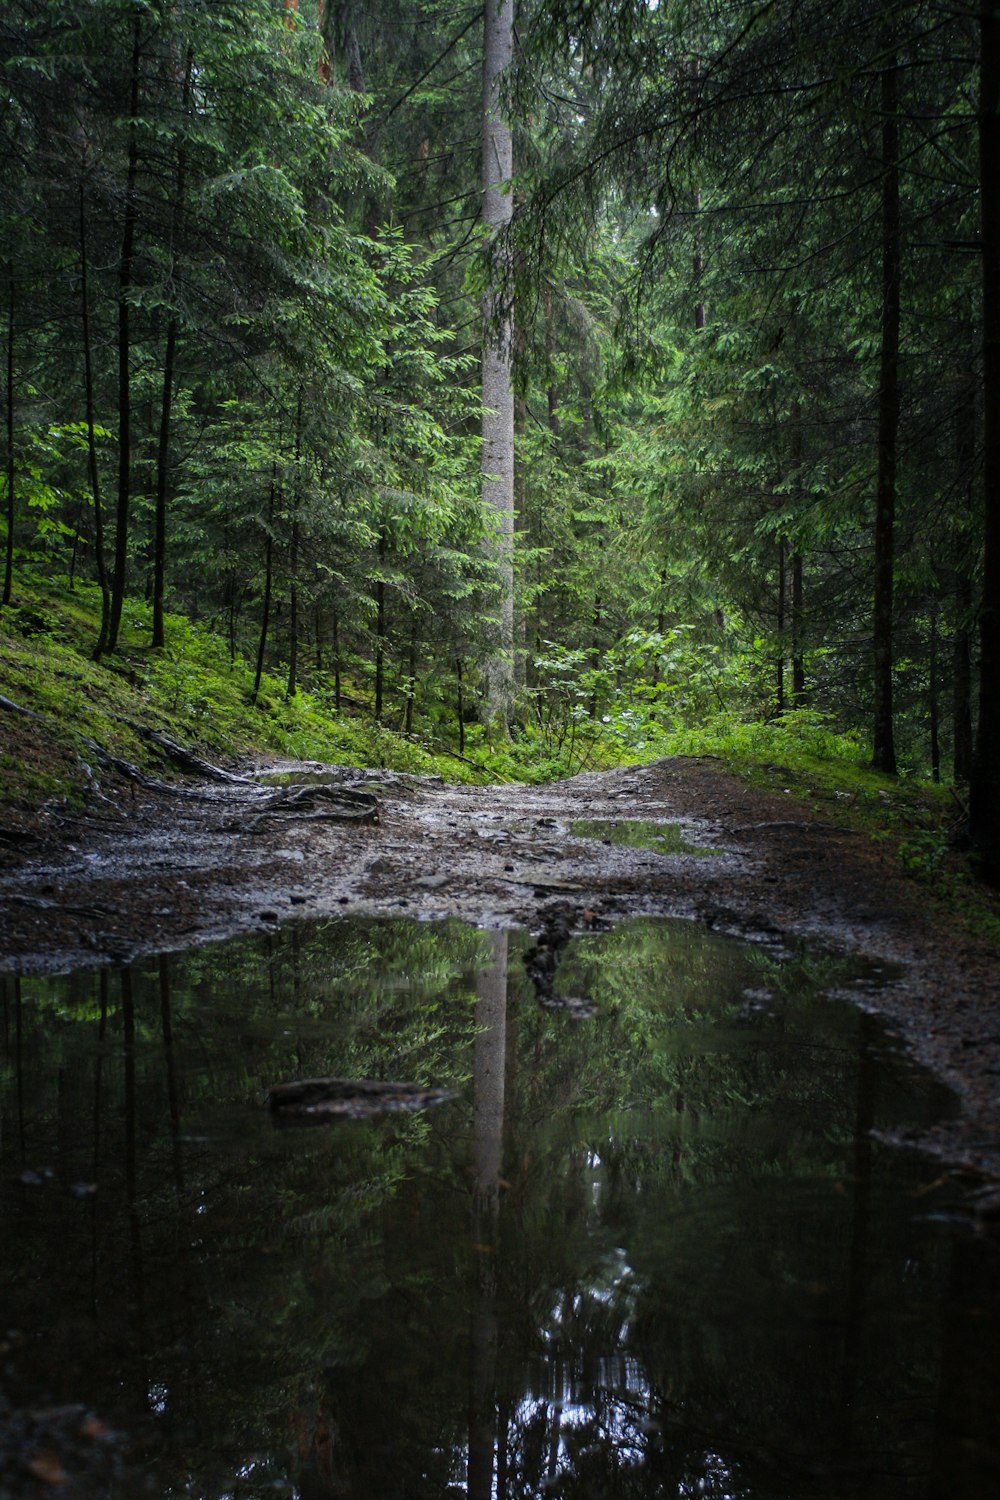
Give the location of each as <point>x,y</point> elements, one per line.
<point>779,677</point>
<point>166,400</point>
<point>8,569</point>
<point>965,459</point>
<point>698,266</point>
<point>293,560</point>
<point>265,613</point>
<point>335,625</point>
<point>933,704</point>
<point>380,630</point>
<point>698,259</point>
<point>291,687</point>
<point>461,705</point>
<point>552,389</point>
<point>497,379</point>
<point>489,1072</point>
<point>984,803</point>
<point>162,473</point>
<point>798,660</point>
<point>169,368</point>
<point>884,754</point>
<point>125,268</point>
<point>412,676</point>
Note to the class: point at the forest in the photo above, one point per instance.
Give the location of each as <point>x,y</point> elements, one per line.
<point>519,378</point>
<point>500,749</point>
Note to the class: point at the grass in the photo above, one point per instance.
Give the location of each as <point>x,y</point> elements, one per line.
<point>190,689</point>
<point>920,823</point>
<point>194,692</point>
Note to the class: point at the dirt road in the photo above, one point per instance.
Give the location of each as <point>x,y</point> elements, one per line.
<point>145,870</point>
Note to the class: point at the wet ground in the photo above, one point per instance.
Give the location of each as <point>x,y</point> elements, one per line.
<point>646,1241</point>
<point>143,871</point>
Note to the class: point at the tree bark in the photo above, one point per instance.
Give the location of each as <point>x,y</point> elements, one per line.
<point>100,560</point>
<point>984,787</point>
<point>8,570</point>
<point>166,400</point>
<point>265,613</point>
<point>933,700</point>
<point>798,621</point>
<point>798,659</point>
<point>335,630</point>
<point>380,630</point>
<point>965,459</point>
<point>884,754</point>
<point>497,381</point>
<point>293,563</point>
<point>779,676</point>
<point>125,268</point>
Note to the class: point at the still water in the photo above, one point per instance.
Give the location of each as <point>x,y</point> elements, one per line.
<point>651,1248</point>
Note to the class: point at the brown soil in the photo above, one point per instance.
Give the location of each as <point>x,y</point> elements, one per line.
<point>144,870</point>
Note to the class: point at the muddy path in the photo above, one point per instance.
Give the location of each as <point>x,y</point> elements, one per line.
<point>146,870</point>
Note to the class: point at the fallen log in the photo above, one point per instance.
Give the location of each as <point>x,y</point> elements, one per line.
<point>312,1100</point>
<point>186,759</point>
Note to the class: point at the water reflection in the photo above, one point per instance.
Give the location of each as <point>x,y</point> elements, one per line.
<point>655,1252</point>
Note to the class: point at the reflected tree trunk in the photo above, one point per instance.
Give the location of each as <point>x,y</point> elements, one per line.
<point>856,1310</point>
<point>884,753</point>
<point>166,1025</point>
<point>488,1081</point>
<point>102,1027</point>
<point>19,1064</point>
<point>131,1175</point>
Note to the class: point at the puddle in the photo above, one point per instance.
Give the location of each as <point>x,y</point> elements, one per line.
<point>652,1251</point>
<point>639,833</point>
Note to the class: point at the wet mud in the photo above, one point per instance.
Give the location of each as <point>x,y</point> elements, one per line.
<point>145,871</point>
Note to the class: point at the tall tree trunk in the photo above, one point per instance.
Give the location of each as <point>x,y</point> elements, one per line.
<point>101,563</point>
<point>411,686</point>
<point>698,259</point>
<point>779,673</point>
<point>460,705</point>
<point>933,699</point>
<point>167,396</point>
<point>984,803</point>
<point>335,629</point>
<point>489,1073</point>
<point>965,459</point>
<point>884,753</point>
<point>125,268</point>
<point>497,381</point>
<point>265,613</point>
<point>380,629</point>
<point>162,481</point>
<point>292,685</point>
<point>293,562</point>
<point>8,568</point>
<point>798,660</point>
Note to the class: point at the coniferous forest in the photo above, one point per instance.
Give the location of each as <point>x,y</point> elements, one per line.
<point>536,377</point>
<point>500,749</point>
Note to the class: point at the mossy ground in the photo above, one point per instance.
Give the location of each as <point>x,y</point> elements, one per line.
<point>195,691</point>
<point>192,689</point>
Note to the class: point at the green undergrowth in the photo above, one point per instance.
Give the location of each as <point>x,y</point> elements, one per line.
<point>920,823</point>
<point>190,690</point>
